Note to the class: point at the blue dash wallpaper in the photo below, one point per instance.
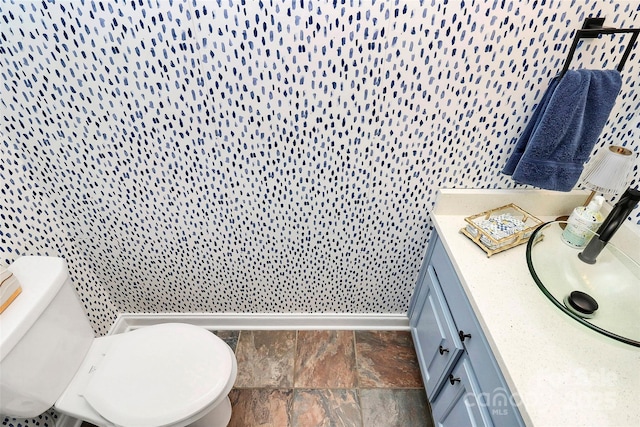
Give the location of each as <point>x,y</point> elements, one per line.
<point>269,155</point>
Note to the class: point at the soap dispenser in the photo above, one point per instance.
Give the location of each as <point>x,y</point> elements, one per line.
<point>583,223</point>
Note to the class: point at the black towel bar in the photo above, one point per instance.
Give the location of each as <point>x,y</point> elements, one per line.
<point>588,31</point>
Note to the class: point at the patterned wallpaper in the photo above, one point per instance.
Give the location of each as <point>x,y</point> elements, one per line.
<point>269,155</point>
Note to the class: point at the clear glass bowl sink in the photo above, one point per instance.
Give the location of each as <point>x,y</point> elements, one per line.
<point>613,282</point>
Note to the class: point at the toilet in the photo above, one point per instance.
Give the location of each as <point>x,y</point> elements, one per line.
<point>169,374</point>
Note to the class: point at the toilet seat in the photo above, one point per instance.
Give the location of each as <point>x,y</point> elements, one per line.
<point>161,375</point>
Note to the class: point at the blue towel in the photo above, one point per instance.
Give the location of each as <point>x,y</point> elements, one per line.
<point>563,130</point>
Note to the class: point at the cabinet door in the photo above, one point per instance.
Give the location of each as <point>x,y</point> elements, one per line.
<point>437,345</point>
<point>499,401</point>
<point>457,404</point>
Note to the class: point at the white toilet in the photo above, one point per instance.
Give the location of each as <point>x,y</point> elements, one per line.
<point>163,375</point>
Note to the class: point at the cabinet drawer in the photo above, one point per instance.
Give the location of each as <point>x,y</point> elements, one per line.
<point>437,344</point>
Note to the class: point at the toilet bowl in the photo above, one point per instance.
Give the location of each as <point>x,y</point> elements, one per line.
<point>163,375</point>
<point>168,374</point>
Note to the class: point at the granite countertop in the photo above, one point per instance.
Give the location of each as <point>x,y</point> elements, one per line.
<point>560,372</point>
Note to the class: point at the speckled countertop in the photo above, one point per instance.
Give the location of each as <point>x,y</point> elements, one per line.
<point>560,372</point>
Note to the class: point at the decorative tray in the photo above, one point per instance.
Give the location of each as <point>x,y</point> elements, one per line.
<point>499,229</point>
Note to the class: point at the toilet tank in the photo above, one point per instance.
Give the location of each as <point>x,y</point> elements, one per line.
<point>45,335</point>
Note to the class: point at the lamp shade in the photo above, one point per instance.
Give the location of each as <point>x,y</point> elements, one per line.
<point>609,170</point>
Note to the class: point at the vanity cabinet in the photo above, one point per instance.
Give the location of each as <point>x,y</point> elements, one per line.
<point>462,378</point>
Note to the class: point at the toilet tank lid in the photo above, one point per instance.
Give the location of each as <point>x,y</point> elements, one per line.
<point>41,278</point>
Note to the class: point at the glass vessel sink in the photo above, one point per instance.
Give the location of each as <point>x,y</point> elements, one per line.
<point>612,285</point>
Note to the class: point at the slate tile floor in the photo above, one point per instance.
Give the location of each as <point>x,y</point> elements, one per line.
<point>326,378</point>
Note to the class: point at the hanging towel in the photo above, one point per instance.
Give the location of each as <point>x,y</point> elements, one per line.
<point>563,130</point>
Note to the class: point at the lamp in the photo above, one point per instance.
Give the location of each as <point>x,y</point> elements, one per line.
<point>608,172</point>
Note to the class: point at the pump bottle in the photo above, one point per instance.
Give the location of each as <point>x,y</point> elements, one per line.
<point>583,223</point>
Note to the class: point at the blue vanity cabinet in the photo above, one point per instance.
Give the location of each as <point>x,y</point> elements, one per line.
<point>462,378</point>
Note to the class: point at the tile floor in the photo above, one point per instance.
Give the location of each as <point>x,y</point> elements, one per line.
<point>326,378</point>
